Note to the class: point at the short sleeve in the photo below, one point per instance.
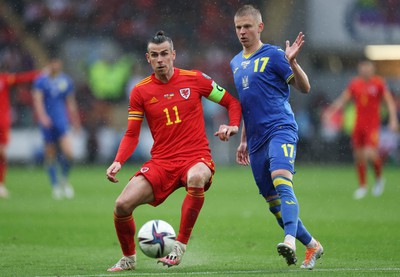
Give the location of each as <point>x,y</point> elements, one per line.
<point>70,87</point>
<point>38,84</point>
<point>281,65</point>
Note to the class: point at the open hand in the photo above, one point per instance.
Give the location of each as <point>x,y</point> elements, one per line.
<point>293,50</point>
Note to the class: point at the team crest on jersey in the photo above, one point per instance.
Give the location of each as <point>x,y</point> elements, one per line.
<point>245,82</point>
<point>245,64</point>
<point>144,169</point>
<point>185,92</point>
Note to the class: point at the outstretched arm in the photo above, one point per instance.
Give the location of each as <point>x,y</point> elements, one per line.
<point>338,104</point>
<point>393,120</point>
<point>300,79</point>
<point>23,77</point>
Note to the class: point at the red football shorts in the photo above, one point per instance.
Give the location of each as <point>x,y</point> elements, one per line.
<point>4,134</point>
<point>363,137</point>
<point>165,176</point>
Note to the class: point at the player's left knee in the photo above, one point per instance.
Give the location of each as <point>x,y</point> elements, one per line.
<point>198,180</point>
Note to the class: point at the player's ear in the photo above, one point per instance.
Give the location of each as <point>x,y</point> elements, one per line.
<point>148,57</point>
<point>173,55</point>
<point>260,27</point>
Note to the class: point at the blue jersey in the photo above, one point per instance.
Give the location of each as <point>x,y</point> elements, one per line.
<point>262,81</point>
<point>55,91</point>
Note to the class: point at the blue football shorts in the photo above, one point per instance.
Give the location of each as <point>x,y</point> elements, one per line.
<point>54,133</point>
<point>279,152</point>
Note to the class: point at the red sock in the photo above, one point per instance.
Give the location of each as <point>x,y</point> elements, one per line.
<point>190,211</point>
<point>362,171</point>
<point>378,167</point>
<point>3,168</point>
<point>125,227</point>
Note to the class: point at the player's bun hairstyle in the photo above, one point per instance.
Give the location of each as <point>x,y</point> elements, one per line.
<point>159,38</point>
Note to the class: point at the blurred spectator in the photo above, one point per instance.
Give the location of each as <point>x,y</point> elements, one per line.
<point>107,78</point>
<point>137,74</point>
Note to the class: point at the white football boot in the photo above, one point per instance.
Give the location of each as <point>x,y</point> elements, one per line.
<point>125,263</point>
<point>175,257</point>
<point>360,193</point>
<point>312,254</point>
<point>378,188</point>
<point>3,192</point>
<point>288,252</point>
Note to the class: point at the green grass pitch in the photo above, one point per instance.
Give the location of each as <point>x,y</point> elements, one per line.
<point>235,234</point>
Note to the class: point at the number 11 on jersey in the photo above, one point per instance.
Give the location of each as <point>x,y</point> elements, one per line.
<point>177,119</point>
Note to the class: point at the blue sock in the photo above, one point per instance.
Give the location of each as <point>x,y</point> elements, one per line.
<point>52,172</point>
<point>275,208</point>
<point>302,234</point>
<point>65,165</point>
<point>289,205</point>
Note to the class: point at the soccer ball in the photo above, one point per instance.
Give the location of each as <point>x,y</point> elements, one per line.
<point>156,238</point>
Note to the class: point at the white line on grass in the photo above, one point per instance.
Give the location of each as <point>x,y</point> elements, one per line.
<point>231,272</point>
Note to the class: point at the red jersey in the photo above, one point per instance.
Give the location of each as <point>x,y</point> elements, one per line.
<point>175,115</point>
<point>7,80</point>
<point>367,96</point>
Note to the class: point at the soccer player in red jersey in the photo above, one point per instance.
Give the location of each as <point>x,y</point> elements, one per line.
<point>6,81</point>
<point>367,91</point>
<point>171,101</point>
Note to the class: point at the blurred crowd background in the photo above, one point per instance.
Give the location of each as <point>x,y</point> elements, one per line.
<point>103,45</point>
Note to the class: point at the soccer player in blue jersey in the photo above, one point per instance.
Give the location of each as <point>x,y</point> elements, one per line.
<point>55,105</point>
<point>262,75</point>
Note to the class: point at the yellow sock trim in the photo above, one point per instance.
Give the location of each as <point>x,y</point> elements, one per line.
<point>282,181</point>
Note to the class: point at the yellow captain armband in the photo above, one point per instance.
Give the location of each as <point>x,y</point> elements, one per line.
<point>217,93</point>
